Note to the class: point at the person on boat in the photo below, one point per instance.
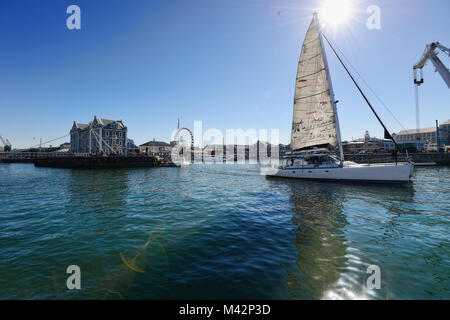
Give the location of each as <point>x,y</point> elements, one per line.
<point>394,155</point>
<point>316,163</point>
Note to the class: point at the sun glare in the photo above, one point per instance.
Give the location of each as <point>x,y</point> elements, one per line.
<point>335,12</point>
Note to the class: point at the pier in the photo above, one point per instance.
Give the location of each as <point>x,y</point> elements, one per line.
<point>31,157</point>
<point>98,162</point>
<point>79,161</point>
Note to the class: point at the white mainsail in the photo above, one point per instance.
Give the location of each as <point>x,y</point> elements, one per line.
<point>314,122</point>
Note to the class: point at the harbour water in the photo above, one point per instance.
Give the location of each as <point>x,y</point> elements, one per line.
<point>220,231</point>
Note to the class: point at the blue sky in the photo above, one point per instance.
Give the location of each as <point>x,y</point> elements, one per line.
<point>230,63</point>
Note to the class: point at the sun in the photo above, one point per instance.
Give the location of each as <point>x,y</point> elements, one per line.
<point>335,12</point>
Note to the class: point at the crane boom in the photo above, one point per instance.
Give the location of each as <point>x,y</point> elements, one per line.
<point>440,67</point>
<point>431,53</point>
<point>424,58</point>
<point>6,143</point>
<point>445,49</point>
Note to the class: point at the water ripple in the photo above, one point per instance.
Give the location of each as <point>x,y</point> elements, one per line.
<point>228,233</point>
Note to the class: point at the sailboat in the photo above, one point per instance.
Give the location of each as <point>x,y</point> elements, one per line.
<point>316,138</point>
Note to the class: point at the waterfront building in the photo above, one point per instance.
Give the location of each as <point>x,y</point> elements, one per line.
<point>156,148</point>
<point>367,144</point>
<point>132,148</point>
<point>284,148</point>
<point>358,146</point>
<point>100,136</point>
<point>388,145</point>
<point>413,140</point>
<point>352,146</point>
<point>423,135</point>
<point>444,134</point>
<point>425,138</point>
<point>64,147</point>
<point>259,151</point>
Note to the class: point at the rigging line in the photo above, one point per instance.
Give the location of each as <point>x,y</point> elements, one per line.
<point>37,145</point>
<point>362,93</point>
<point>365,82</point>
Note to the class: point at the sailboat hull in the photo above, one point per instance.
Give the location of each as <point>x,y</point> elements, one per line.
<point>374,173</point>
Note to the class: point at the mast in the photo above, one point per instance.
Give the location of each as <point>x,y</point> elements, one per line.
<point>333,100</point>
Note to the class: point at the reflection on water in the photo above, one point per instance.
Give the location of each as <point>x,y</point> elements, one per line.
<point>330,266</point>
<point>319,238</point>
